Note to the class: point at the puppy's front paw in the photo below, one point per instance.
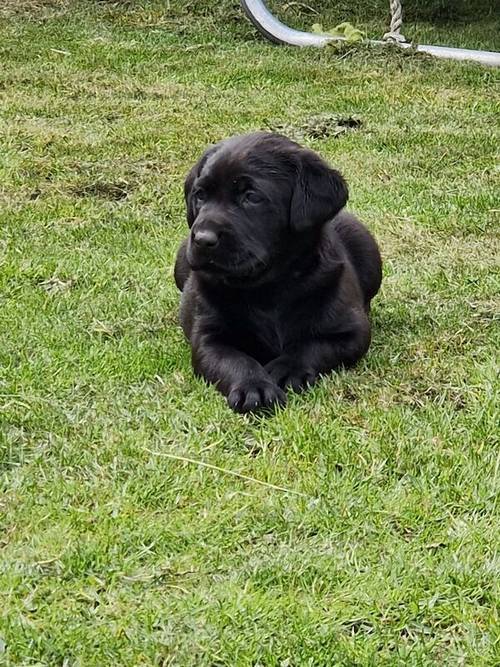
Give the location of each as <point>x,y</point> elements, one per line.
<point>289,375</point>
<point>254,395</point>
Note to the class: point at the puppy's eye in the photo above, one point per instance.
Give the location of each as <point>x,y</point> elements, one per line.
<point>251,197</point>
<point>200,195</point>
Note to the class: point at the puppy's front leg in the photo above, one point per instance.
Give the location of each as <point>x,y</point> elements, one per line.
<point>244,382</point>
<point>301,364</point>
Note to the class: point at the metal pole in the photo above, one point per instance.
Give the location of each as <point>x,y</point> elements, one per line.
<point>280,33</point>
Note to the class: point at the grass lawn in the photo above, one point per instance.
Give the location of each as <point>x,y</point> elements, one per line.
<point>383,547</point>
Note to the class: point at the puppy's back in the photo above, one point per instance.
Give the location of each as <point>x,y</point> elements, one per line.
<point>362,250</point>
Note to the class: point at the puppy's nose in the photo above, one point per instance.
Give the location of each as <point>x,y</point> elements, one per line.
<point>206,238</point>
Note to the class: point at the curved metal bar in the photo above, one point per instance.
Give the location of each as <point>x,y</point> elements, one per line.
<point>275,30</point>
<point>483,57</point>
<point>278,32</point>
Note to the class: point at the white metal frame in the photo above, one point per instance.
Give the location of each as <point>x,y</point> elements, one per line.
<point>278,32</point>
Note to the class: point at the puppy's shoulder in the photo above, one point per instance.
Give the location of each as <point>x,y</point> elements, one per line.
<point>347,225</point>
<point>360,246</point>
<point>355,238</point>
<point>182,269</point>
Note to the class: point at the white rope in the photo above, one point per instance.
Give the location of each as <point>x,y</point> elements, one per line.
<point>394,34</point>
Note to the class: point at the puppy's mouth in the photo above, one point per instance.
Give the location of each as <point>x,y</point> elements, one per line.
<point>244,272</point>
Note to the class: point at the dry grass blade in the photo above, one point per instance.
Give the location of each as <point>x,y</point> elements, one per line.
<point>226,471</point>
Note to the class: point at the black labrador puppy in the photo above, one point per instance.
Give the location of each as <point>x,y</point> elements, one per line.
<point>276,279</point>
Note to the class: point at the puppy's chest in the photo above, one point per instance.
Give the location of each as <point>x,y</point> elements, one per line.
<point>268,330</point>
<point>268,327</point>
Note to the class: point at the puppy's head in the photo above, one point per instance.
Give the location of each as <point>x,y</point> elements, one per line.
<point>250,198</point>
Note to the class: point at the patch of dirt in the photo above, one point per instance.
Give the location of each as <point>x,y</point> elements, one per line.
<point>32,7</point>
<point>55,285</point>
<point>320,126</point>
<point>114,191</point>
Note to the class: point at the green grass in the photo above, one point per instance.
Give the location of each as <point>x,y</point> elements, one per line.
<point>114,554</point>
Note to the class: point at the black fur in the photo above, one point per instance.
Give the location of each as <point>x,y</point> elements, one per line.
<point>276,279</point>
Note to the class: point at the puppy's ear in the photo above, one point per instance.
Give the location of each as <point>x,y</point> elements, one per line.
<point>193,174</point>
<point>319,193</point>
